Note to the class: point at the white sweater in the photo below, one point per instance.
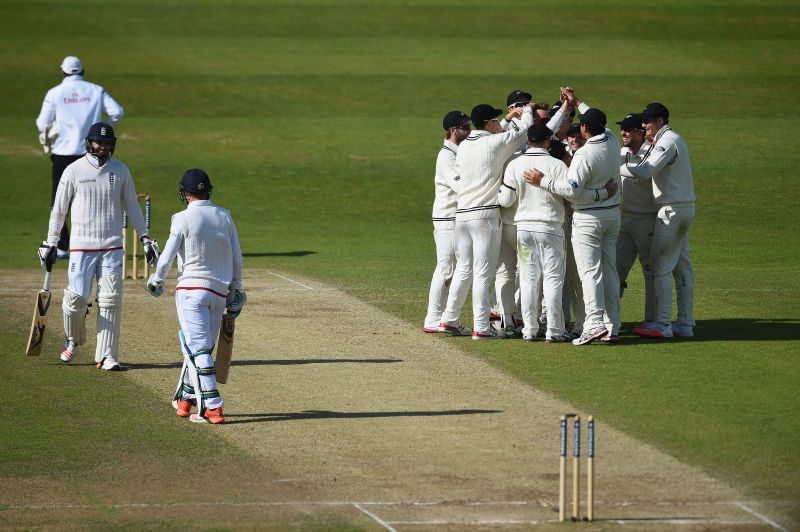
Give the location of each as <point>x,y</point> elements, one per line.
<point>479,164</point>
<point>205,241</point>
<point>76,105</point>
<point>669,166</point>
<point>536,205</point>
<point>98,197</point>
<point>444,202</point>
<point>637,194</point>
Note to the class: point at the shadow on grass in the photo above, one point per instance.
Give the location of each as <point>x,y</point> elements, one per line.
<point>280,254</point>
<point>231,419</point>
<point>276,362</point>
<point>745,329</point>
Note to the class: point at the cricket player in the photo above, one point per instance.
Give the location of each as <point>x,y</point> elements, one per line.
<point>639,210</point>
<point>95,189</point>
<point>595,223</point>
<point>479,163</point>
<point>456,126</point>
<point>67,112</point>
<point>673,187</point>
<point>204,239</point>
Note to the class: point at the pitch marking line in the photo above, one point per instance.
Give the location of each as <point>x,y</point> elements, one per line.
<point>760,516</point>
<point>298,283</point>
<point>377,519</point>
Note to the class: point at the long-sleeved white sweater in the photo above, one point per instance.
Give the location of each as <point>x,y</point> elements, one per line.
<point>637,194</point>
<point>479,164</point>
<point>536,205</point>
<point>96,198</point>
<point>669,166</point>
<point>204,239</point>
<point>444,201</point>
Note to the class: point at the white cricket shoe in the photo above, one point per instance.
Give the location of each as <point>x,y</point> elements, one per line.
<point>491,334</point>
<point>457,329</point>
<point>653,330</point>
<point>588,337</point>
<point>684,331</point>
<point>68,351</point>
<point>109,363</point>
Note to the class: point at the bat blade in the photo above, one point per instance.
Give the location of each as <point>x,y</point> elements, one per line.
<point>225,348</point>
<point>39,323</point>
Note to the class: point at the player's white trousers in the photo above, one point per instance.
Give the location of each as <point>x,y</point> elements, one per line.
<point>572,294</point>
<point>541,262</point>
<point>505,285</point>
<point>670,254</point>
<point>200,313</point>
<point>477,248</point>
<point>594,240</point>
<point>636,239</point>
<point>84,268</point>
<point>440,283</point>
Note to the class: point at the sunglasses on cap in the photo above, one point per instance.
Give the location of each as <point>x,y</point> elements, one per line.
<point>517,105</point>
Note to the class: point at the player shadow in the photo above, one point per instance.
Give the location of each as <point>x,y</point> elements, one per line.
<point>230,419</point>
<point>274,362</point>
<point>735,329</point>
<point>280,254</point>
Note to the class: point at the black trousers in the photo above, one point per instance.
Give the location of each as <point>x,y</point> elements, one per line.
<point>60,163</point>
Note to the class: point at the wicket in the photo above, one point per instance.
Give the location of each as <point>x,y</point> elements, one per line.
<point>135,272</point>
<point>576,465</point>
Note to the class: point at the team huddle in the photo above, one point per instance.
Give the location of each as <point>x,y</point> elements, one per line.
<point>557,213</point>
<point>98,192</point>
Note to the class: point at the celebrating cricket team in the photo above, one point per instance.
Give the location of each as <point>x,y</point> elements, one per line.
<point>97,191</point>
<point>556,214</point>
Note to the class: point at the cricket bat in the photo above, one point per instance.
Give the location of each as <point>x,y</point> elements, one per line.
<point>225,347</point>
<point>40,317</point>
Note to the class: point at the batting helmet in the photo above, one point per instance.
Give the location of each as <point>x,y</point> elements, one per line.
<point>196,182</point>
<point>101,132</point>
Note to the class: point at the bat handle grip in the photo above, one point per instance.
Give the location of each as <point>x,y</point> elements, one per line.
<point>46,285</point>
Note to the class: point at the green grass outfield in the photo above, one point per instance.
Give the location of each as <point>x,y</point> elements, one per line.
<point>319,123</point>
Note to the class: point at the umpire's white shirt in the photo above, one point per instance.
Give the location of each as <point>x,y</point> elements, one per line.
<point>204,239</point>
<point>668,164</point>
<point>479,164</point>
<point>444,202</point>
<point>76,104</point>
<point>96,196</point>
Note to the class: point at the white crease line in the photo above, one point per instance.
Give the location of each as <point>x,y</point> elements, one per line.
<point>763,518</point>
<point>298,283</point>
<point>377,519</point>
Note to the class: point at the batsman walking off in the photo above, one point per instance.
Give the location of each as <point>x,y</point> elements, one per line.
<point>95,189</point>
<point>204,239</point>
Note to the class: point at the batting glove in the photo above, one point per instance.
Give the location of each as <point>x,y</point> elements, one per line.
<point>47,255</point>
<point>236,300</point>
<point>151,251</point>
<point>155,286</point>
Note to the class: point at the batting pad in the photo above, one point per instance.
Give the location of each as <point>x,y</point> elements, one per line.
<point>109,302</point>
<point>74,307</point>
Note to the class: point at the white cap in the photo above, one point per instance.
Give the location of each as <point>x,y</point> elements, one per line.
<point>71,65</point>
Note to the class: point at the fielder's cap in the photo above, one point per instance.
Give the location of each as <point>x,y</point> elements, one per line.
<point>482,113</point>
<point>196,181</point>
<point>71,65</point>
<point>594,119</point>
<point>519,95</point>
<point>557,150</point>
<point>631,122</point>
<point>655,110</point>
<point>574,130</point>
<point>454,118</point>
<point>539,132</point>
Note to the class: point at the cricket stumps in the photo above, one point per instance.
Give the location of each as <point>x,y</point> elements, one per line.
<point>576,467</point>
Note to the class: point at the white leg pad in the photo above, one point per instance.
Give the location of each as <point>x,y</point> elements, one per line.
<point>109,314</point>
<point>74,307</point>
<point>200,376</point>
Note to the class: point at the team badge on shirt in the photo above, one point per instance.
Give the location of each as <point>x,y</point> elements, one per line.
<point>111,178</point>
<point>573,183</point>
<point>661,148</point>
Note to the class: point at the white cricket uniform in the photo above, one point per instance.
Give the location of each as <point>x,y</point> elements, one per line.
<point>540,240</point>
<point>595,226</point>
<point>96,197</point>
<point>204,239</point>
<point>76,104</point>
<point>506,277</point>
<point>479,164</point>
<point>673,187</point>
<point>444,223</point>
<point>639,210</point>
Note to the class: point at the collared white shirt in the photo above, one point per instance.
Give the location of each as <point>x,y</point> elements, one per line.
<point>536,205</point>
<point>637,194</point>
<point>669,166</point>
<point>76,104</point>
<point>444,202</point>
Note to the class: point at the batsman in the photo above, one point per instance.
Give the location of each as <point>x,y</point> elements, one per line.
<point>204,239</point>
<point>95,190</point>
